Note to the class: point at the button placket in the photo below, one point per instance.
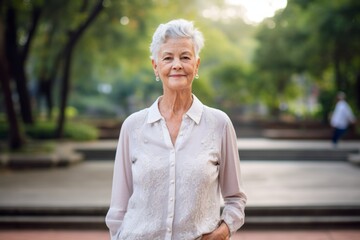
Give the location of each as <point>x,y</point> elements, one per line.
<point>182,131</point>
<point>171,201</point>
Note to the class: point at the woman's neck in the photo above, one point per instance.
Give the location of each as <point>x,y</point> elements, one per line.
<point>175,104</point>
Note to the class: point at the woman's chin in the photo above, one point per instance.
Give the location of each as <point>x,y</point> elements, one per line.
<point>179,85</point>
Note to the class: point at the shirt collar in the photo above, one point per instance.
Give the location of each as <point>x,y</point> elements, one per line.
<point>194,112</point>
<point>154,112</point>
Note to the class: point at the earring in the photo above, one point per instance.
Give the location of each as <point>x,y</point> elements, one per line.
<point>157,78</point>
<point>197,76</point>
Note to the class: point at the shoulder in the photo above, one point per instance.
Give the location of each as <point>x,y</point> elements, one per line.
<point>135,119</point>
<point>217,115</point>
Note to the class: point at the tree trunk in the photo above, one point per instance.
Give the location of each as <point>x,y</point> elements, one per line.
<point>357,91</point>
<point>64,92</point>
<point>17,59</point>
<point>44,90</point>
<point>47,76</point>
<point>340,81</point>
<point>68,52</point>
<point>17,68</point>
<point>337,75</point>
<point>15,136</point>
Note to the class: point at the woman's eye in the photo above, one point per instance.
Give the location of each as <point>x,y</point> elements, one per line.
<point>167,58</point>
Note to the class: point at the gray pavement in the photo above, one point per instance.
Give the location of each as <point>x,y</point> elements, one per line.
<point>267,183</point>
<point>247,143</point>
<point>282,193</point>
<point>263,143</point>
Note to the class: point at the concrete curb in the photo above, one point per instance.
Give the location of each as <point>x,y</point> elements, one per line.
<point>354,159</point>
<point>285,217</point>
<point>62,156</point>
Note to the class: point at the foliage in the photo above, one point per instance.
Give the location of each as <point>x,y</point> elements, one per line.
<point>34,147</point>
<point>327,102</point>
<point>308,45</point>
<point>117,55</point>
<point>316,38</point>
<point>80,132</point>
<point>44,130</point>
<point>233,84</point>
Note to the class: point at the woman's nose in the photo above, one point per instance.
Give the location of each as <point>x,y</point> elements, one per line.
<point>177,64</point>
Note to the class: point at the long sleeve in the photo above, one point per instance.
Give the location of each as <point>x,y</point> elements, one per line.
<point>122,184</point>
<point>230,180</point>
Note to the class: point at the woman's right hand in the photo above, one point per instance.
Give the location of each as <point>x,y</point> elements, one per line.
<point>221,233</point>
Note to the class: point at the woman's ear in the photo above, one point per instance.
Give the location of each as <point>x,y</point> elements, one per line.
<point>154,66</point>
<point>197,64</point>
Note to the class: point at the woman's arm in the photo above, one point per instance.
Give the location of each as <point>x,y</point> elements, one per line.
<point>233,213</point>
<point>122,184</point>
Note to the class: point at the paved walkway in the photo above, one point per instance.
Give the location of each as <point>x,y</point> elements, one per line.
<point>267,183</point>
<point>253,143</point>
<point>263,143</point>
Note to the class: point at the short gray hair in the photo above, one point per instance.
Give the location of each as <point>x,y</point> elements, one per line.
<point>178,28</point>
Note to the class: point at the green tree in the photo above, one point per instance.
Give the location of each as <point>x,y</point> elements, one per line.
<point>233,84</point>
<point>311,37</point>
<point>21,20</point>
<point>73,38</point>
<point>274,61</point>
<point>15,135</point>
<point>336,29</point>
<point>115,48</point>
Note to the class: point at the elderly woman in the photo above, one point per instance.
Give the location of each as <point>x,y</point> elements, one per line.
<point>176,159</point>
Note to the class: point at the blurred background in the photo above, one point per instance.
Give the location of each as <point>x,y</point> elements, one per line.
<point>274,64</point>
<point>72,71</point>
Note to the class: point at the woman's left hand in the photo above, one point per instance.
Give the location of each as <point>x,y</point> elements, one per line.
<point>221,233</point>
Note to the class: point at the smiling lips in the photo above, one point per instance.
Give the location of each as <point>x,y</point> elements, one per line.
<point>177,75</point>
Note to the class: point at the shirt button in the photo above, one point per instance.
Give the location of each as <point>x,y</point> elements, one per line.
<point>172,181</point>
<point>169,230</point>
<point>171,199</point>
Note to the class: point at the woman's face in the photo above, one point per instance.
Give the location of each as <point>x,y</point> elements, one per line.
<point>176,64</point>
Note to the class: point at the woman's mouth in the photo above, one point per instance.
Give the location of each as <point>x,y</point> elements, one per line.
<point>177,75</point>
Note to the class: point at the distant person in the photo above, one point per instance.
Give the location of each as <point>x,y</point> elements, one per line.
<point>341,118</point>
<point>175,159</point>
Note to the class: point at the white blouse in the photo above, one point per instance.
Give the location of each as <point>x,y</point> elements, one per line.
<point>166,191</point>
